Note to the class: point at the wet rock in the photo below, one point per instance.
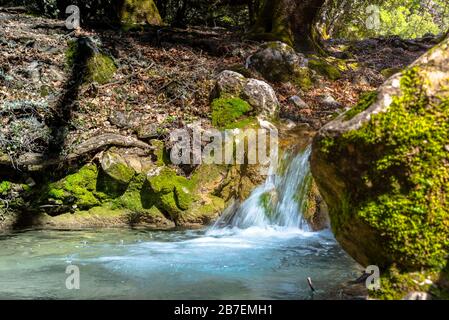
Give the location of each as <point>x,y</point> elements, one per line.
<point>416,295</point>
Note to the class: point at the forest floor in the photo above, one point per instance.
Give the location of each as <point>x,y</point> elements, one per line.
<point>164,78</point>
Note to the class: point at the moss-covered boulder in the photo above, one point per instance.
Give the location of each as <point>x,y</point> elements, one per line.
<point>173,193</point>
<point>278,62</point>
<point>115,166</point>
<point>78,189</point>
<point>135,12</point>
<point>84,57</point>
<point>325,68</point>
<point>384,171</point>
<point>238,95</point>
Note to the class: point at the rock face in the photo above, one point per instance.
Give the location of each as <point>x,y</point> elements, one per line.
<point>383,169</point>
<point>278,62</point>
<point>258,94</point>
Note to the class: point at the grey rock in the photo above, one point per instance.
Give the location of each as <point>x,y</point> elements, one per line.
<point>262,97</point>
<point>276,61</point>
<point>329,101</point>
<point>298,102</point>
<point>229,83</point>
<point>148,131</point>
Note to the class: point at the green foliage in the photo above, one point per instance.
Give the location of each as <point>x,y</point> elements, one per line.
<point>407,18</point>
<point>227,111</point>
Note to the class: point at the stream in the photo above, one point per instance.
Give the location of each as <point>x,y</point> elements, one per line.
<point>247,254</point>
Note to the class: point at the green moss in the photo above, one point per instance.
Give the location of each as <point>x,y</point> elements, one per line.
<point>120,173</point>
<point>140,11</point>
<point>407,203</point>
<point>161,155</point>
<point>5,186</point>
<point>78,188</point>
<point>266,202</point>
<point>396,284</point>
<point>388,72</point>
<point>71,53</point>
<point>366,100</point>
<point>100,68</point>
<point>173,193</point>
<point>302,78</point>
<point>324,68</point>
<point>227,112</point>
<point>137,197</point>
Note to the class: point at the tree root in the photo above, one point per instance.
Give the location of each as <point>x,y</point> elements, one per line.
<point>90,146</point>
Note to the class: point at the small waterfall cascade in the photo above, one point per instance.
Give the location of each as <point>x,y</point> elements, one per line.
<point>279,202</point>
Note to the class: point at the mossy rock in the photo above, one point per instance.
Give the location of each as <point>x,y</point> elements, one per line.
<point>326,69</point>
<point>77,189</point>
<point>100,68</point>
<point>135,12</point>
<point>95,65</point>
<point>384,172</point>
<point>116,168</point>
<point>173,193</point>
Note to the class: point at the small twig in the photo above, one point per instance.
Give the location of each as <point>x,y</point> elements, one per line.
<point>309,281</point>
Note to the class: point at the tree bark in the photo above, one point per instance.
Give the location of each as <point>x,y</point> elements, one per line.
<point>290,21</point>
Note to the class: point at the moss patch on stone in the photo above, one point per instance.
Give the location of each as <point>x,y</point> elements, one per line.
<point>365,101</point>
<point>324,68</point>
<point>228,112</point>
<point>138,12</point>
<point>100,68</point>
<point>78,188</point>
<point>173,193</point>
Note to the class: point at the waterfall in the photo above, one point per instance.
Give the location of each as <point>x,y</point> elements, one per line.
<point>279,202</point>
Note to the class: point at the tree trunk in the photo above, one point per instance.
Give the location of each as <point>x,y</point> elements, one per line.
<point>290,21</point>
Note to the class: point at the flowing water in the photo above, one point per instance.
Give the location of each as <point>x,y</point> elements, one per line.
<point>246,255</point>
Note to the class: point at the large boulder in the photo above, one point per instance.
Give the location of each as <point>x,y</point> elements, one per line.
<point>278,62</point>
<point>383,169</point>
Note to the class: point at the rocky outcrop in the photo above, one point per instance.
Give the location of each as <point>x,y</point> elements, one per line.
<point>382,168</point>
